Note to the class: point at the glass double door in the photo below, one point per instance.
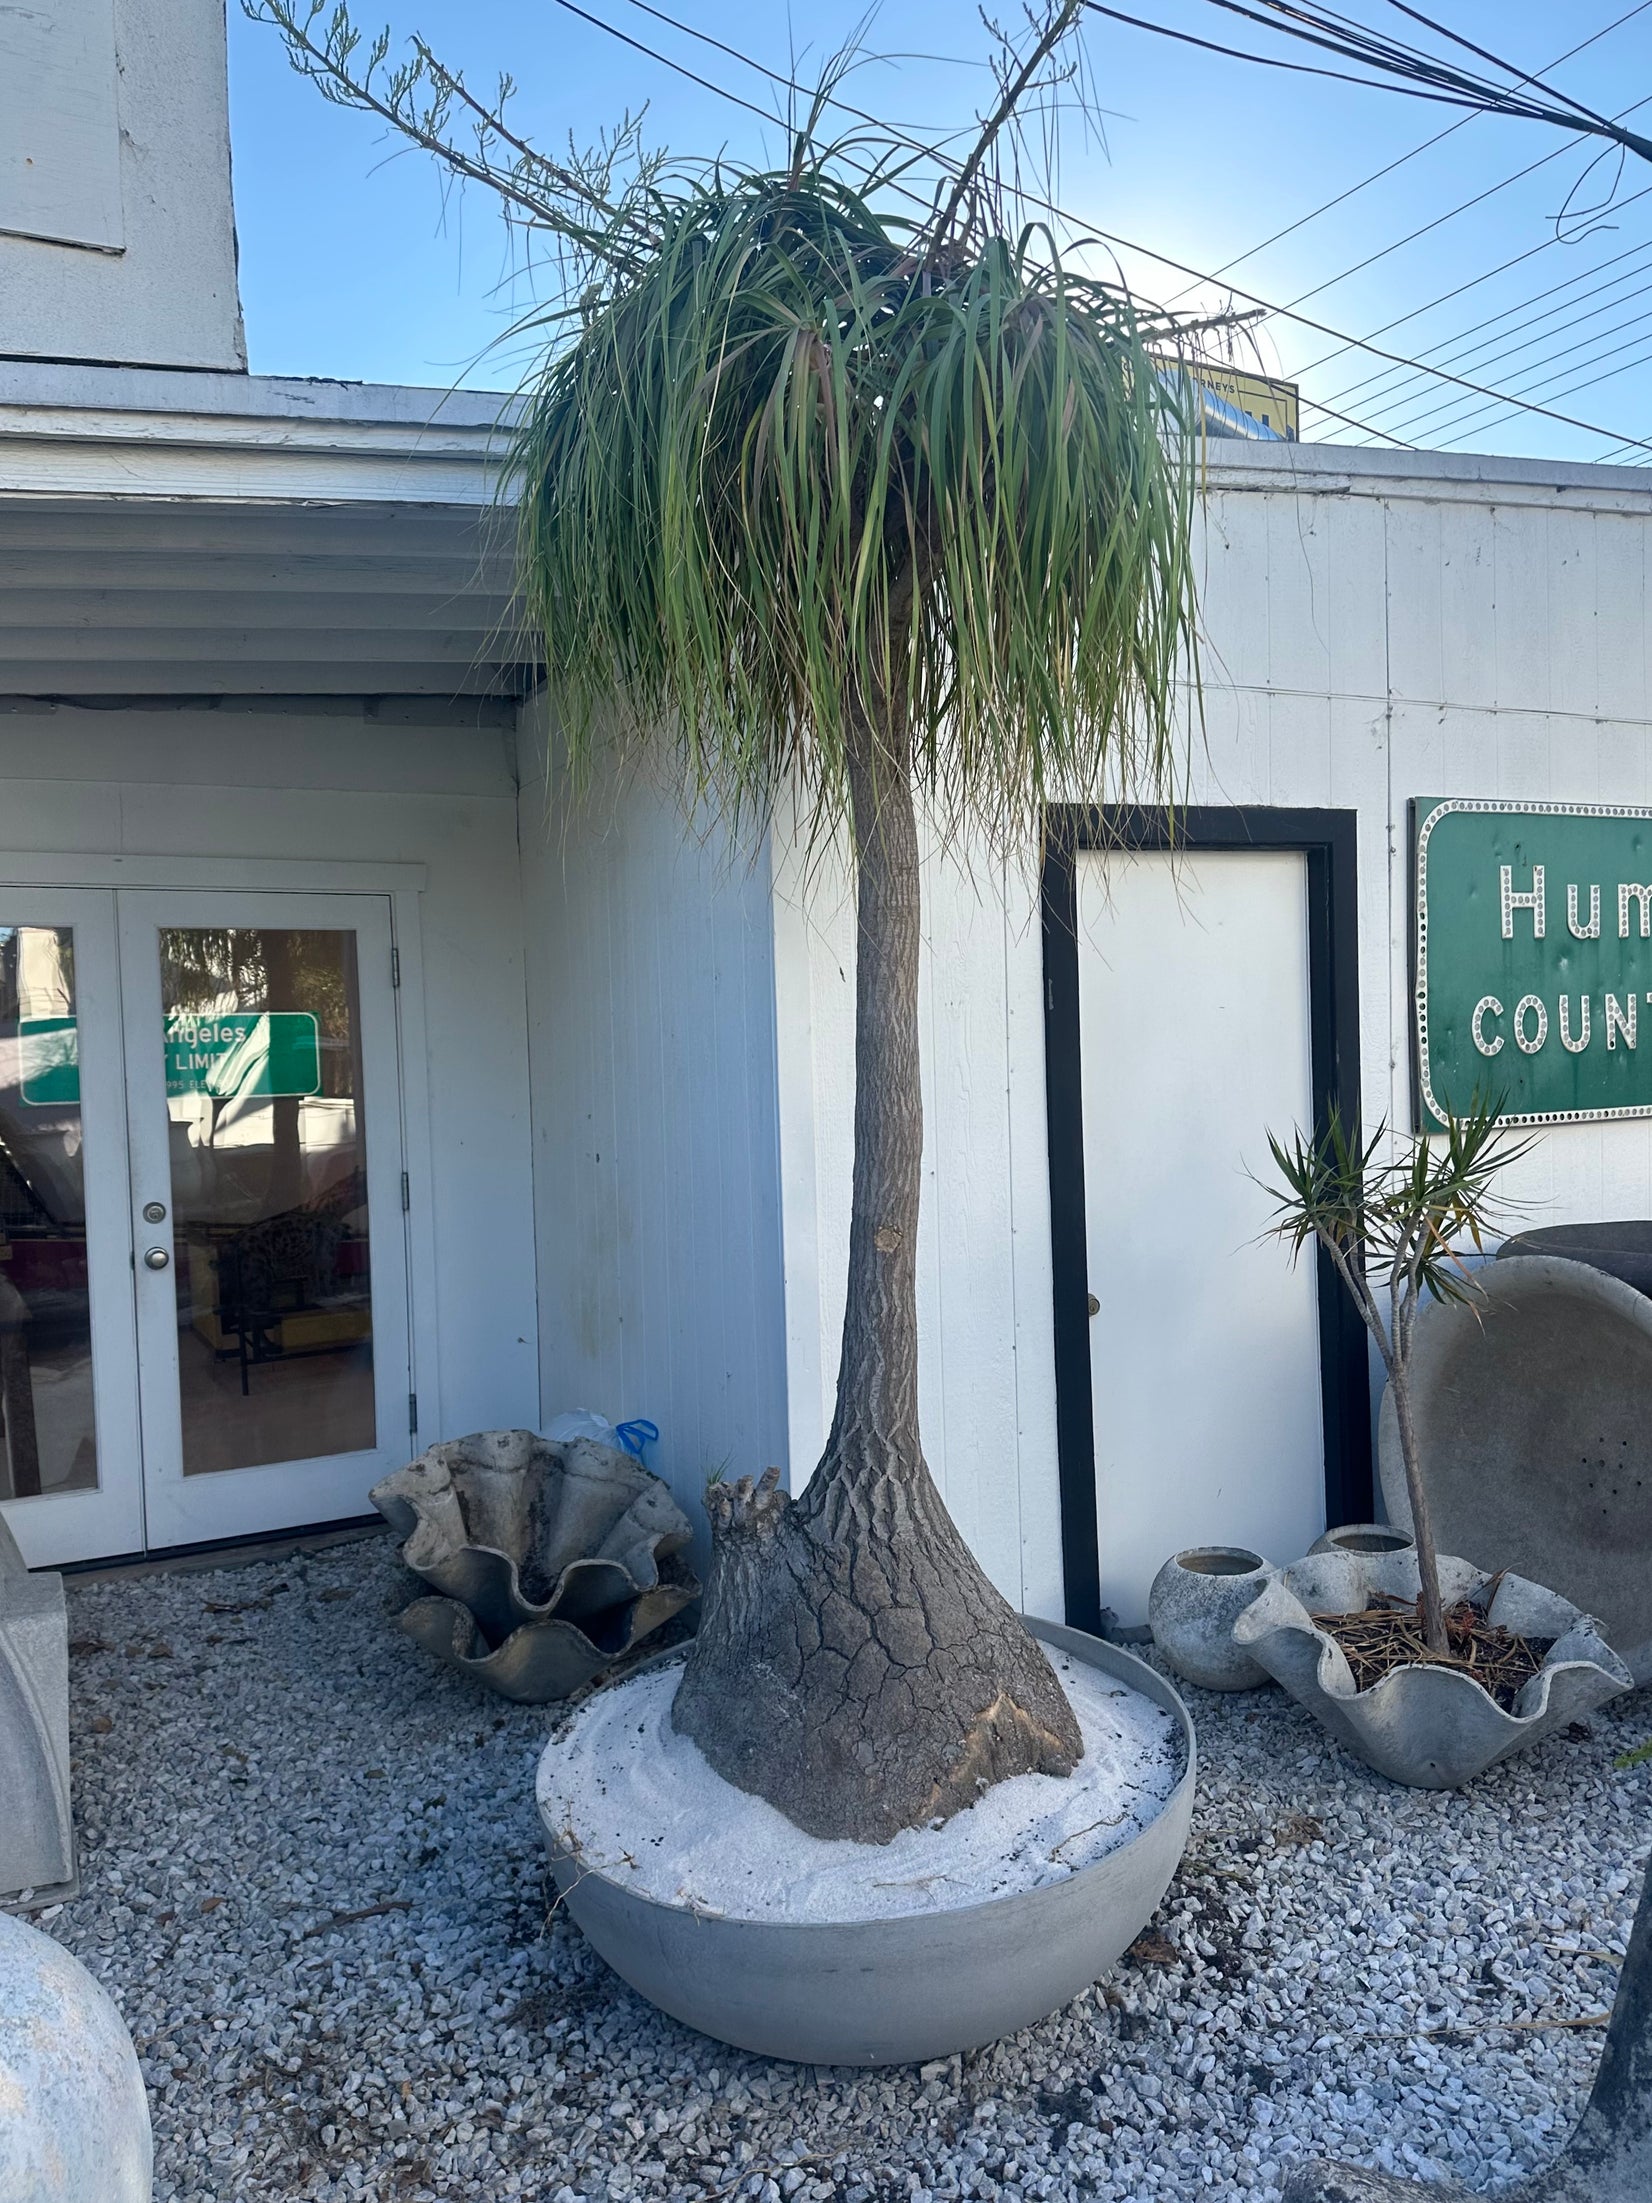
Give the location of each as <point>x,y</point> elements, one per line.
<point>203,1286</point>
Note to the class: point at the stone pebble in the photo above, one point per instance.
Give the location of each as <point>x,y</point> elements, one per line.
<point>314,1885</point>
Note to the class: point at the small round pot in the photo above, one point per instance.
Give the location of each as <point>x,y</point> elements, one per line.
<point>1196,1598</point>
<point>892,1991</point>
<point>1364,1539</point>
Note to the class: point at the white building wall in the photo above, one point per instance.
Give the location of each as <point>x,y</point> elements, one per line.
<point>656,1174</point>
<point>117,231</point>
<point>337,784</point>
<point>1463,627</point>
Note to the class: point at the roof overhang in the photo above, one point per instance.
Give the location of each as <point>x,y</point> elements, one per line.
<point>185,534</point>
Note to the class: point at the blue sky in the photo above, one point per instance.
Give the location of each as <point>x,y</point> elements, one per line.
<point>355,261</point>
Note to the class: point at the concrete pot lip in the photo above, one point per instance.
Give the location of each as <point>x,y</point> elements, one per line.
<point>1421,1709</point>
<point>820,1935</point>
<point>1363,1538</point>
<point>1248,1563</point>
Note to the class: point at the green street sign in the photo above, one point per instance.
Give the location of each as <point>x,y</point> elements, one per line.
<point>239,1055</point>
<point>243,1054</point>
<point>1532,959</point>
<point>49,1048</point>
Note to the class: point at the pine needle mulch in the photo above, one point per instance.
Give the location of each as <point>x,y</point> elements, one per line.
<point>1389,1635</point>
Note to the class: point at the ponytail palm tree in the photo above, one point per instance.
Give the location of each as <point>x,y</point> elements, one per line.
<point>814,498</point>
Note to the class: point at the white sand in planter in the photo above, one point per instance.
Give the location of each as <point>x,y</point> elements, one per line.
<point>640,1804</point>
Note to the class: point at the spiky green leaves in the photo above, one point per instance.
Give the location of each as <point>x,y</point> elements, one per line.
<point>789,472</point>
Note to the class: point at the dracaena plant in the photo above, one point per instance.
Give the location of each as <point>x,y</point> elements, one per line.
<point>1397,1223</point>
<point>826,487</point>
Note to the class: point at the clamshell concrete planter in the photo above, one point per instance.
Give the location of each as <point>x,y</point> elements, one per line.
<point>553,1559</point>
<point>1433,1728</point>
<point>893,1990</point>
<point>74,2120</point>
<point>1195,1599</point>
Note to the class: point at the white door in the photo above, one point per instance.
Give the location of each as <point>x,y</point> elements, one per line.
<point>263,1108</point>
<point>1195,1043</point>
<point>203,1275</point>
<point>70,1458</point>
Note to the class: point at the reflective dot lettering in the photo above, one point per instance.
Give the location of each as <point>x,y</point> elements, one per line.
<point>1531,1046</point>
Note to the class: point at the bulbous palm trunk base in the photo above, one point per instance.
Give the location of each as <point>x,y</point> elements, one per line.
<point>1609,2157</point>
<point>854,1666</point>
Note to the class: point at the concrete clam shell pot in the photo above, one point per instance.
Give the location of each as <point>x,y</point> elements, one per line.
<point>900,1988</point>
<point>1431,1727</point>
<point>552,1560</point>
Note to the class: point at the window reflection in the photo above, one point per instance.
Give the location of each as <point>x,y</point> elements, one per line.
<point>269,1194</point>
<point>47,1433</point>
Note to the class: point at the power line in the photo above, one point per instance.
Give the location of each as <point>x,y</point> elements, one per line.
<point>1487,353</point>
<point>1377,174</point>
<point>1522,305</point>
<point>1126,244</point>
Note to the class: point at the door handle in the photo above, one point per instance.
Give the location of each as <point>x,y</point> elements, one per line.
<point>156,1258</point>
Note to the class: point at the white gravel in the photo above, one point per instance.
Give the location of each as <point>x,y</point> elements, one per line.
<point>640,1802</point>
<point>1344,1959</point>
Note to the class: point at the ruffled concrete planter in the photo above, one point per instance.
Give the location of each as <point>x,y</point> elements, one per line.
<point>903,1986</point>
<point>1431,1727</point>
<point>1195,1599</point>
<point>552,1560</point>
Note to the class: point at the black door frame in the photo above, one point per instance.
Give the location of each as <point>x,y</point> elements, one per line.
<point>1328,840</point>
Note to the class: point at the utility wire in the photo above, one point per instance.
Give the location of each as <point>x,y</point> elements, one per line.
<point>1492,351</point>
<point>1126,244</point>
<point>1388,168</point>
<point>1440,351</point>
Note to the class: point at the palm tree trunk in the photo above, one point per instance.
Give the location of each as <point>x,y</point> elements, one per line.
<point>853,1664</point>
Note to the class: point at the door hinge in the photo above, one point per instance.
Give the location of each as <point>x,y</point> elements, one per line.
<point>407,1193</point>
<point>412,1411</point>
<point>395,967</point>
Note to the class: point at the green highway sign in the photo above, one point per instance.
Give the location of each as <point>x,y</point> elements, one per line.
<point>49,1048</point>
<point>243,1054</point>
<point>1532,959</point>
<point>233,1055</point>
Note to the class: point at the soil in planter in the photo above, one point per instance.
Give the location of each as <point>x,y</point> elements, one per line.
<point>1389,1635</point>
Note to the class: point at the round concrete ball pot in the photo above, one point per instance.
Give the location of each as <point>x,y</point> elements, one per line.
<point>1363,1537</point>
<point>1196,1598</point>
<point>906,1987</point>
<point>74,2120</point>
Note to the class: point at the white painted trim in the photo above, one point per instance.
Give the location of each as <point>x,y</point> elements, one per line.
<point>418,1159</point>
<point>279,875</point>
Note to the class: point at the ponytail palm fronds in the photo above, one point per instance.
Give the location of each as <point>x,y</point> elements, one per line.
<point>797,469</point>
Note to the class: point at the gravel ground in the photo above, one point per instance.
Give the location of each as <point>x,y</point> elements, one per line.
<point>314,1884</point>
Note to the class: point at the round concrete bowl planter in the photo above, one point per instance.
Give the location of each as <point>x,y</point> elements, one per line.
<point>894,1990</point>
<point>1195,1599</point>
<point>1433,1728</point>
<point>1363,1537</point>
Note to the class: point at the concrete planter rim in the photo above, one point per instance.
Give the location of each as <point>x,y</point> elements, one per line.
<point>1130,1670</point>
<point>831,1951</point>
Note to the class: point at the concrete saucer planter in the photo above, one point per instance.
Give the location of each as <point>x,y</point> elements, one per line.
<point>903,1987</point>
<point>1433,1728</point>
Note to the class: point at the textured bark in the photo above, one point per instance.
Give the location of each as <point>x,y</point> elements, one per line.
<point>853,1664</point>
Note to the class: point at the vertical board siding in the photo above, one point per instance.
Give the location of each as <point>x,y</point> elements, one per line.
<point>656,1164</point>
<point>1367,642</point>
